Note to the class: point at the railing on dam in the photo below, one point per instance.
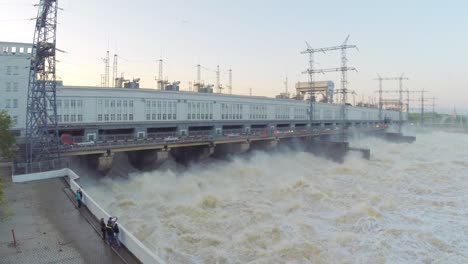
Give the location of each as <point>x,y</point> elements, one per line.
<point>168,139</point>
<point>135,246</point>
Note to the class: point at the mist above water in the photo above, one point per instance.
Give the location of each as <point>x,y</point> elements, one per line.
<point>408,204</point>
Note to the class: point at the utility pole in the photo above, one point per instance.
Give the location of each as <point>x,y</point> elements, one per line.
<point>407,100</point>
<point>433,109</point>
<point>422,105</point>
<point>400,93</point>
<point>422,108</point>
<point>114,71</point>
<point>311,73</point>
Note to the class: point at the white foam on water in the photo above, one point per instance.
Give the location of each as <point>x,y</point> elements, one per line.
<point>408,204</point>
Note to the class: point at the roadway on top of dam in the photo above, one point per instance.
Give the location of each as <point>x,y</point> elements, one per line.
<point>166,142</point>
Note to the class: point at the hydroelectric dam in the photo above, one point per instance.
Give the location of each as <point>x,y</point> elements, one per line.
<point>149,125</point>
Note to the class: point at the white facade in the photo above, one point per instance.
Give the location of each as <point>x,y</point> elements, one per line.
<point>91,105</point>
<point>117,105</point>
<point>14,78</point>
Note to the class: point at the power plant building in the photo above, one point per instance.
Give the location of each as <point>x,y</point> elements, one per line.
<point>93,110</point>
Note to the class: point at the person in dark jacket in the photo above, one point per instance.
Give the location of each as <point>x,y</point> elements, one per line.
<point>110,233</point>
<point>116,233</point>
<point>79,197</point>
<point>103,228</point>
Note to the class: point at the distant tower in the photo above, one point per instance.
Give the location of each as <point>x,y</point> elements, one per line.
<point>286,87</point>
<point>230,81</point>
<point>160,75</point>
<point>106,69</point>
<point>114,72</point>
<point>197,85</point>
<point>218,84</point>
<point>198,73</point>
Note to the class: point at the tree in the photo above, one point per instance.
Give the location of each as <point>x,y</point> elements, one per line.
<point>6,137</point>
<point>6,142</point>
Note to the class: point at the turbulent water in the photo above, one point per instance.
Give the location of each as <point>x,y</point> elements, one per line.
<point>408,204</point>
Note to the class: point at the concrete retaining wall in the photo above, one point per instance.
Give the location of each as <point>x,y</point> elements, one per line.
<point>40,175</point>
<point>126,237</point>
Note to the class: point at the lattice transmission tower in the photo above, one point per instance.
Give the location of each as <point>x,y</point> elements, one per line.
<point>400,97</point>
<point>41,122</point>
<point>344,79</point>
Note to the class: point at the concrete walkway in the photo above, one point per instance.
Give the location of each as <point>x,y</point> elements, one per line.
<point>48,228</point>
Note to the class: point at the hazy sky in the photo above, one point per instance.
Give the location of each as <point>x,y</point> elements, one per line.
<point>260,40</point>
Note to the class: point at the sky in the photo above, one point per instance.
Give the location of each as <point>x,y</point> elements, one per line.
<point>261,41</point>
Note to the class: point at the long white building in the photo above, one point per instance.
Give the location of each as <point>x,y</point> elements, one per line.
<point>92,109</point>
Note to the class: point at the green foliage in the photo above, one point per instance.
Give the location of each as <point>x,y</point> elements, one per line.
<point>6,138</point>
<point>5,211</point>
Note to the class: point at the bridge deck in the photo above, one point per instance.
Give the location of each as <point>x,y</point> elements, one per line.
<point>133,144</point>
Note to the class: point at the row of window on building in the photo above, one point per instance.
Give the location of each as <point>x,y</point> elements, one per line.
<point>65,104</point>
<point>114,110</point>
<point>281,112</point>
<point>70,118</point>
<point>300,113</point>
<point>12,70</point>
<point>6,49</point>
<point>199,110</point>
<point>11,87</point>
<point>11,103</point>
<point>161,110</point>
<point>258,112</point>
<point>231,111</point>
<point>69,110</point>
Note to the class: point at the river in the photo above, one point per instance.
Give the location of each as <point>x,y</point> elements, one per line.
<point>408,204</point>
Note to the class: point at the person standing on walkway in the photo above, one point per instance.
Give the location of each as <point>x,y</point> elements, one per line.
<point>103,228</point>
<point>110,232</point>
<point>81,194</point>
<point>117,232</point>
<point>79,197</point>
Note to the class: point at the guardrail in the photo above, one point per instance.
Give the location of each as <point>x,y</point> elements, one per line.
<point>126,237</point>
<point>135,246</point>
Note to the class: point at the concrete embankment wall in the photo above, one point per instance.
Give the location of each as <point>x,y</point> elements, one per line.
<point>134,245</point>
